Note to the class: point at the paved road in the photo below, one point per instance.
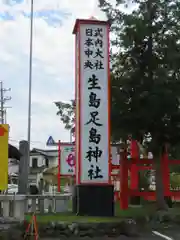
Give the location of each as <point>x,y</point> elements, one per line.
<point>172,232</point>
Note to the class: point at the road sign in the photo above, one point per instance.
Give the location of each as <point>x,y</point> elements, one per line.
<point>4,156</point>
<point>50,141</point>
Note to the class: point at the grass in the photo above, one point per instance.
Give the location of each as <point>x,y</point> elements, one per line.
<point>132,212</point>
<point>119,214</point>
<point>70,218</point>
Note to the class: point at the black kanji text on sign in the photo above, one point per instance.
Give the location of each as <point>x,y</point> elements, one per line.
<point>89,42</point>
<point>94,136</point>
<point>94,173</point>
<point>98,32</point>
<point>93,154</point>
<point>98,43</point>
<point>98,53</point>
<point>93,83</point>
<point>88,52</point>
<point>93,100</point>
<point>98,65</point>
<point>89,32</point>
<point>94,119</point>
<point>88,64</point>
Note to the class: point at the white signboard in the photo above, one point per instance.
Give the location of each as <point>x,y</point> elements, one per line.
<point>67,160</point>
<point>94,114</point>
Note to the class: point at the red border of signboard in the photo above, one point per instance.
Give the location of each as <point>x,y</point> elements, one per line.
<point>78,84</point>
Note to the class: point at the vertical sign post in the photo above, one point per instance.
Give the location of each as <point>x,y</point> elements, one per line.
<point>92,106</point>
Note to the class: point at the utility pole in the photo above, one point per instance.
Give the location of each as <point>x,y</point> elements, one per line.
<point>3,100</point>
<point>5,114</point>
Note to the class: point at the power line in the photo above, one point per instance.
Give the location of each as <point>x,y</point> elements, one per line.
<point>34,142</point>
<point>3,100</point>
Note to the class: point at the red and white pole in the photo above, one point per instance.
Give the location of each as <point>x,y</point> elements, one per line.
<point>59,164</point>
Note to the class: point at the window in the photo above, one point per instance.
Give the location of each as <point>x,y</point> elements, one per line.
<point>46,162</point>
<point>46,187</point>
<point>34,162</point>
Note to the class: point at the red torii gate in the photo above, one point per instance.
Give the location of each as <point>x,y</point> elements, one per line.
<point>135,164</point>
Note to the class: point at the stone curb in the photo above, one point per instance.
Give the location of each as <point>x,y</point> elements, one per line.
<point>11,230</point>
<point>127,227</point>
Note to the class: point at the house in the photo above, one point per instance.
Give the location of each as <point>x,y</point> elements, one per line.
<point>13,164</point>
<point>13,170</point>
<point>40,161</point>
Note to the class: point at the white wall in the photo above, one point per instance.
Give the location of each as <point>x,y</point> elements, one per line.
<point>40,162</point>
<point>53,162</point>
<point>32,178</point>
<point>35,177</point>
<point>13,167</point>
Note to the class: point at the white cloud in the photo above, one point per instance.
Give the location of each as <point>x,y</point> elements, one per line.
<point>53,66</point>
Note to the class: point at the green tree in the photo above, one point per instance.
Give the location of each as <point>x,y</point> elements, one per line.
<point>66,111</point>
<point>175,180</point>
<point>146,73</point>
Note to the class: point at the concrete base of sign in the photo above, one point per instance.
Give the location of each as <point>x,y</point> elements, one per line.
<point>93,200</point>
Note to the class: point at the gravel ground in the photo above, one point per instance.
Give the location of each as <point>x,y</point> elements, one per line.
<point>144,237</point>
<point>172,232</point>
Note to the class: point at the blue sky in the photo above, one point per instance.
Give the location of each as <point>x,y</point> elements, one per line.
<point>53,63</point>
<point>52,16</point>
